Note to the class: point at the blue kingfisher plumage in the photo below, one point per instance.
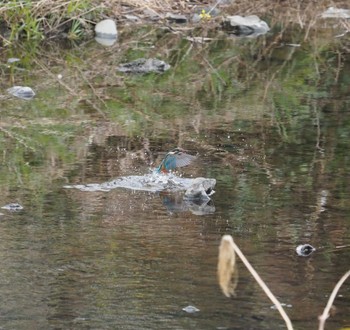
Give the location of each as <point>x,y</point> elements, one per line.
<point>174,159</point>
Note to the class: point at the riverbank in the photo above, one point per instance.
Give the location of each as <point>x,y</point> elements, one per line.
<point>75,20</point>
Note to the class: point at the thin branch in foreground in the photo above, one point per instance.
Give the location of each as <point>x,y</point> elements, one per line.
<point>325,313</point>
<point>226,257</point>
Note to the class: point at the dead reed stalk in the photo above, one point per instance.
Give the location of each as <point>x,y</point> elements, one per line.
<point>325,313</point>
<point>227,269</point>
<point>227,258</point>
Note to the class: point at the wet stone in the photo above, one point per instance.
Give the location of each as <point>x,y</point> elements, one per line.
<point>22,92</point>
<point>200,189</point>
<point>13,207</point>
<point>156,182</point>
<point>190,309</point>
<point>305,250</point>
<point>142,66</point>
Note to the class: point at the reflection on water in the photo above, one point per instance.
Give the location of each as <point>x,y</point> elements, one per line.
<point>126,259</point>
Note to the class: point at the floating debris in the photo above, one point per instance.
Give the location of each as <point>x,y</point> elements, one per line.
<point>190,309</point>
<point>22,92</point>
<point>248,26</point>
<point>142,66</point>
<point>305,250</point>
<point>13,207</point>
<point>283,305</point>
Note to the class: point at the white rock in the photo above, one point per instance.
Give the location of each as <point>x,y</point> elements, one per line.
<point>106,29</point>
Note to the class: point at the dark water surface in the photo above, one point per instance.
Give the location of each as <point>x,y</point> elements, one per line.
<point>133,260</point>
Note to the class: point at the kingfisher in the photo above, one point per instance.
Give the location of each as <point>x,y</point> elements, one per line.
<point>173,159</point>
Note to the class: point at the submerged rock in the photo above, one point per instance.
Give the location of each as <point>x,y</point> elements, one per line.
<point>251,26</point>
<point>142,66</point>
<point>305,250</point>
<point>22,92</point>
<point>197,191</point>
<point>200,189</point>
<point>175,203</point>
<point>195,188</point>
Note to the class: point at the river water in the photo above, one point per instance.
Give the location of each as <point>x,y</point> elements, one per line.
<point>270,123</point>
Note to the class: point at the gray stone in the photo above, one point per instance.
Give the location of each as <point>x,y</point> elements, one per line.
<point>22,92</point>
<point>251,26</point>
<point>176,18</point>
<point>151,14</point>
